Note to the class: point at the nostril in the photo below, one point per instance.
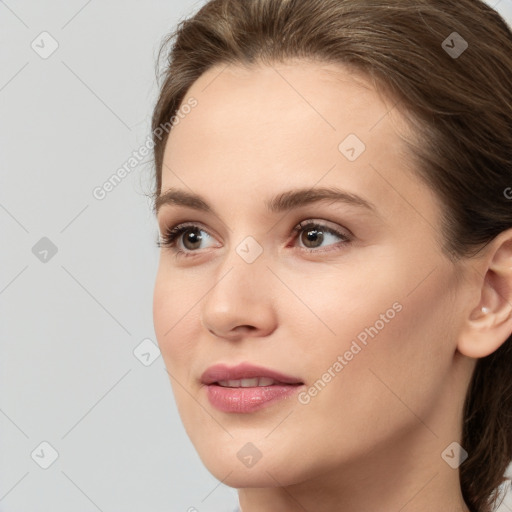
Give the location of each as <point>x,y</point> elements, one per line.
<point>246,327</point>
<point>235,332</point>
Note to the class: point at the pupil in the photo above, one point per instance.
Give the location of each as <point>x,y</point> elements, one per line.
<point>313,235</point>
<point>193,238</point>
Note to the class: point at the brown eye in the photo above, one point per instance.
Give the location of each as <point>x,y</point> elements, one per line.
<point>191,238</point>
<point>311,237</point>
<point>186,238</point>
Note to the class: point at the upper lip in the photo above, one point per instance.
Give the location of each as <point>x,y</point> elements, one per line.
<point>222,372</point>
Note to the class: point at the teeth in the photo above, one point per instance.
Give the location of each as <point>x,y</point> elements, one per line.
<point>247,383</point>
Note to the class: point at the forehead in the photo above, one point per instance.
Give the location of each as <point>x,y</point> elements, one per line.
<point>301,98</point>
<point>263,128</point>
<point>297,108</point>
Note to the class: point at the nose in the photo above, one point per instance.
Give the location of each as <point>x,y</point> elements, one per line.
<point>240,302</point>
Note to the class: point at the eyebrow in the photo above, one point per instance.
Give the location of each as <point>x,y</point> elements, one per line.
<point>282,202</point>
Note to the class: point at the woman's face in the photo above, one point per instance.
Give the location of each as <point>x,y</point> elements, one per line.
<point>358,306</point>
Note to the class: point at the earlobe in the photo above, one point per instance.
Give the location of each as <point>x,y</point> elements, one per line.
<point>489,324</point>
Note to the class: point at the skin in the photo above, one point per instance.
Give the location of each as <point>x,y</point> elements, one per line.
<point>372,438</point>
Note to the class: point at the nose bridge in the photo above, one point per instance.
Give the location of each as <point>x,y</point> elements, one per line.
<point>240,295</point>
<point>243,269</point>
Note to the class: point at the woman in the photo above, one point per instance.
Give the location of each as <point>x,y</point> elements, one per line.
<point>334,295</point>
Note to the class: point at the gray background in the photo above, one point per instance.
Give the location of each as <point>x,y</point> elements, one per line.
<point>71,322</point>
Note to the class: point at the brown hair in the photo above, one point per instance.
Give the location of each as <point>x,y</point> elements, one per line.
<point>460,109</point>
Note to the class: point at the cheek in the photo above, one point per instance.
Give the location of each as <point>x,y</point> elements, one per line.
<point>396,348</point>
<point>340,304</point>
<point>393,319</point>
<point>175,304</point>
<point>175,318</point>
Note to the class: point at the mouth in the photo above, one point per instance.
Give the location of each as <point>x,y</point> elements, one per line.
<point>252,383</point>
<point>245,375</point>
<point>246,388</point>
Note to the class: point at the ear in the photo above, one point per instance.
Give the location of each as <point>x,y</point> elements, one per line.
<point>489,324</point>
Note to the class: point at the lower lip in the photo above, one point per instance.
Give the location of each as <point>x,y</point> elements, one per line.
<point>244,400</point>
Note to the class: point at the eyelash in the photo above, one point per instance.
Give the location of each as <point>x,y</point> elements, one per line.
<point>171,236</point>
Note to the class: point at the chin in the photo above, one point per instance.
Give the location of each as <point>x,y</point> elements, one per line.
<point>231,463</point>
<point>258,476</point>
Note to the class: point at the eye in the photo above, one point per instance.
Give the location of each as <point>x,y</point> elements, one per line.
<point>313,234</point>
<point>186,239</point>
<point>188,236</point>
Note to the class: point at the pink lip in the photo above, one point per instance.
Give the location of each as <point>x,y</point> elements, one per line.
<point>245,400</point>
<point>244,371</point>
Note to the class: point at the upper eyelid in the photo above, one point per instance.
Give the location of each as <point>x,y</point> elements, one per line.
<point>323,223</point>
<point>341,232</point>
<point>166,228</point>
<point>304,223</point>
<point>191,224</point>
